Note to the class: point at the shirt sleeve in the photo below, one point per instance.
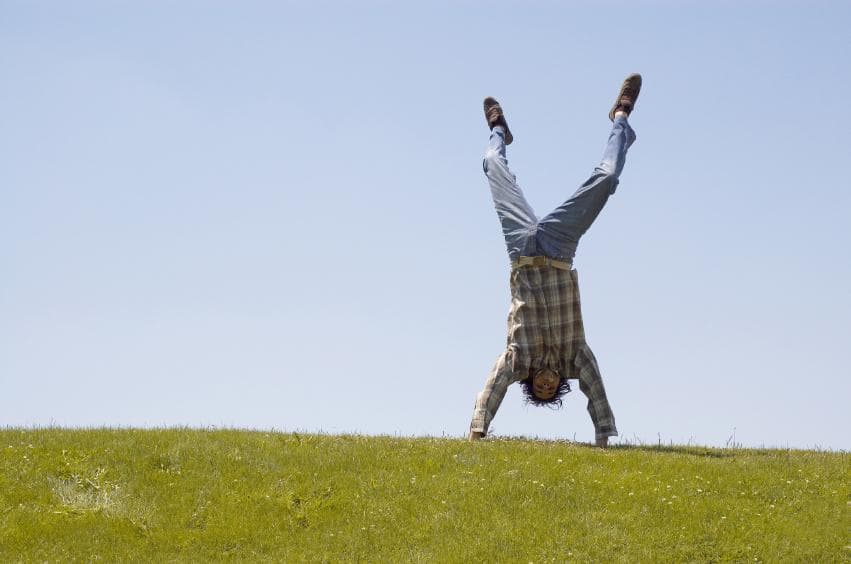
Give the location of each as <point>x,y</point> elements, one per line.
<point>490,398</point>
<point>591,384</point>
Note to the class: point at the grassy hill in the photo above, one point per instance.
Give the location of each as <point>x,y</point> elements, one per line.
<point>201,495</point>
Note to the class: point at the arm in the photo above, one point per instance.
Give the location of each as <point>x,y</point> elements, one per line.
<point>591,384</point>
<point>490,398</point>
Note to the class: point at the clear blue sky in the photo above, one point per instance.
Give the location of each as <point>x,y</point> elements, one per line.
<point>273,214</point>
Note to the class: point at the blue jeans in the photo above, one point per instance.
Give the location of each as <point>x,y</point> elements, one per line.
<point>556,235</point>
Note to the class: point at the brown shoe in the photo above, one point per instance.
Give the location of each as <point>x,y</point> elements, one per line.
<point>494,117</point>
<point>625,101</point>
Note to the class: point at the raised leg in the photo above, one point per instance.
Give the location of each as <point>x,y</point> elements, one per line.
<point>559,232</point>
<point>515,214</point>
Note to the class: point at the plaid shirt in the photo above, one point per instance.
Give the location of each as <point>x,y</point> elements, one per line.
<point>545,330</point>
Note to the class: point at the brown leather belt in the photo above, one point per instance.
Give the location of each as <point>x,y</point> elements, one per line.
<point>540,261</point>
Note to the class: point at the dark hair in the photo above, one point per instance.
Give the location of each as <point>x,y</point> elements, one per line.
<point>554,402</point>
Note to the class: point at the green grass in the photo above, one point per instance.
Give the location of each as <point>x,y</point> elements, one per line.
<point>201,495</point>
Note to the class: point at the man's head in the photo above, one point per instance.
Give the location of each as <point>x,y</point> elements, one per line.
<point>545,387</point>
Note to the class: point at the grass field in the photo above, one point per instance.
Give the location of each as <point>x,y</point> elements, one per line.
<point>201,495</point>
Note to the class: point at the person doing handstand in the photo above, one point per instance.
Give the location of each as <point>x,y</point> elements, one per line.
<point>546,338</point>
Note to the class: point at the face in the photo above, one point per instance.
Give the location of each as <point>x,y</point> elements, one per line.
<point>545,383</point>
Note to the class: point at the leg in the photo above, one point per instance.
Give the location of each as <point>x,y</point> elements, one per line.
<point>559,232</point>
<point>515,213</point>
